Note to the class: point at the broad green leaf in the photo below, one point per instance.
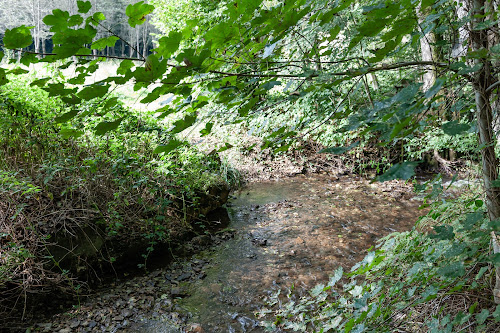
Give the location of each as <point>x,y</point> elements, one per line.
<point>168,45</point>
<point>472,219</point>
<point>443,232</point>
<point>18,38</point>
<point>83,6</point>
<point>496,314</point>
<point>452,271</point>
<point>102,43</point>
<point>455,128</point>
<point>28,59</point>
<point>66,116</point>
<point>173,144</point>
<point>403,171</point>
<point>58,20</point>
<point>182,124</point>
<point>317,290</point>
<point>429,293</point>
<point>3,77</point>
<point>336,276</point>
<point>339,150</point>
<point>482,316</point>
<point>269,85</point>
<point>93,91</point>
<point>435,88</point>
<point>124,67</point>
<point>40,82</point>
<point>349,325</point>
<point>71,99</point>
<point>207,130</point>
<point>70,133</point>
<point>137,13</point>
<point>106,126</point>
<point>75,20</point>
<point>110,103</point>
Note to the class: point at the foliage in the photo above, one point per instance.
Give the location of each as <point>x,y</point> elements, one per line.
<point>109,182</point>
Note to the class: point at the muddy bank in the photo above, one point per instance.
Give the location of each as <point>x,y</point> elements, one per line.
<point>293,232</point>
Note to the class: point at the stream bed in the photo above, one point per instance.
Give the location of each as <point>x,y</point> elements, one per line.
<point>295,231</point>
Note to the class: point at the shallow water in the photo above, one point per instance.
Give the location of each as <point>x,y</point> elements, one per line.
<point>291,232</point>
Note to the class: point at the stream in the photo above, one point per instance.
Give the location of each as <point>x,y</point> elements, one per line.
<point>292,232</point>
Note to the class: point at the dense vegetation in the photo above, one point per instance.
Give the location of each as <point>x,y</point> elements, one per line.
<point>387,85</point>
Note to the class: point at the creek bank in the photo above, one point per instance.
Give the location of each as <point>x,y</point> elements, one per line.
<point>88,255</point>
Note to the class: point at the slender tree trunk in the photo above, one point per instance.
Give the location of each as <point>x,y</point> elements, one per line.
<point>427,49</point>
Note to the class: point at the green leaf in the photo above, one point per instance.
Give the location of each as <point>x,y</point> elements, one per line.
<point>317,290</point>
<point>58,20</point>
<point>173,144</point>
<point>18,38</point>
<point>443,232</point>
<point>182,124</point>
<point>106,126</point>
<point>349,325</point>
<point>429,293</point>
<point>481,317</point>
<point>455,128</point>
<point>207,130</point>
<point>453,270</point>
<point>168,45</point>
<point>339,150</point>
<point>66,116</point>
<point>225,147</point>
<point>83,6</point>
<point>404,171</point>
<point>496,314</point>
<point>124,67</point>
<point>40,82</point>
<point>70,133</point>
<point>435,88</point>
<point>471,220</point>
<point>137,13</point>
<point>3,77</point>
<point>93,91</point>
<point>336,276</point>
<point>75,20</point>
<point>102,43</point>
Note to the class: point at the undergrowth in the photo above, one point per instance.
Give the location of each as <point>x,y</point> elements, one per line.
<point>423,280</point>
<point>63,197</point>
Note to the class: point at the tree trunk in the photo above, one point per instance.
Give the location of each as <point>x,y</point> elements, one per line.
<point>484,115</point>
<point>427,49</point>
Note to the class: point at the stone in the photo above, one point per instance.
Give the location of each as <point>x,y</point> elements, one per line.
<point>74,323</point>
<point>195,328</point>
<point>177,292</point>
<point>126,313</point>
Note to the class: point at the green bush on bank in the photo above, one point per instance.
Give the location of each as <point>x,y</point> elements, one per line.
<point>50,181</point>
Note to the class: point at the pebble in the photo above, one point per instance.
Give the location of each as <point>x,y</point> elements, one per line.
<point>177,292</point>
<point>126,313</point>
<point>74,323</point>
